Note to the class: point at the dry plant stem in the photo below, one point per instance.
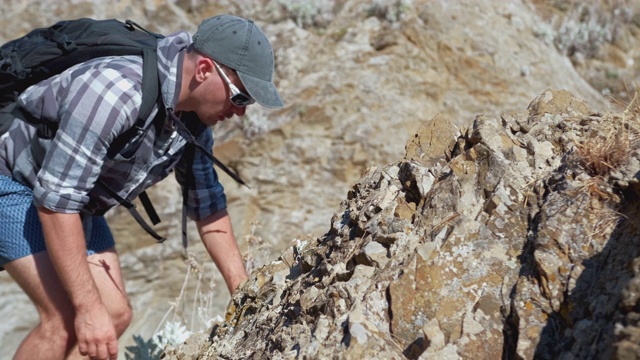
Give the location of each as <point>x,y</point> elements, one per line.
<point>631,105</point>
<point>195,299</point>
<point>174,305</point>
<point>163,319</point>
<point>182,292</point>
<point>209,303</point>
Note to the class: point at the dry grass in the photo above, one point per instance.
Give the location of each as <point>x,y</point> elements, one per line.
<point>258,250</point>
<point>605,152</point>
<point>608,148</point>
<point>611,143</point>
<point>602,154</point>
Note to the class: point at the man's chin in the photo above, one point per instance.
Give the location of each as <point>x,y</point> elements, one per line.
<point>214,120</point>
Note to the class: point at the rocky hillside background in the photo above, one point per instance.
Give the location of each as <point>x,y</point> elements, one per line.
<point>359,78</point>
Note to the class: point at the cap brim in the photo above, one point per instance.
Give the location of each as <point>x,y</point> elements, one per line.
<point>263,92</point>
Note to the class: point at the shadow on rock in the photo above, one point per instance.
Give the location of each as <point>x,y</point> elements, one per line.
<point>598,316</point>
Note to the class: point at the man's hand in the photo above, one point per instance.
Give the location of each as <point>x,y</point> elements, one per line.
<point>96,334</point>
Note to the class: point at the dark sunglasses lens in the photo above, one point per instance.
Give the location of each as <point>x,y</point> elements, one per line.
<point>241,100</point>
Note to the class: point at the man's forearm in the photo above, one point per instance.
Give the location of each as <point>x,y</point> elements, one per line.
<point>217,235</point>
<point>94,329</point>
<point>66,246</point>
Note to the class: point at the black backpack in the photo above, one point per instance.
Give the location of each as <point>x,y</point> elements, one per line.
<point>45,52</point>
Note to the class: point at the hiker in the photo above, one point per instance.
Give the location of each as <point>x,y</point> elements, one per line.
<point>54,240</point>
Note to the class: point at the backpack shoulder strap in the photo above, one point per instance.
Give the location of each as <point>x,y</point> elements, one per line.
<point>150,84</point>
<point>133,211</point>
<point>189,156</point>
<point>151,96</point>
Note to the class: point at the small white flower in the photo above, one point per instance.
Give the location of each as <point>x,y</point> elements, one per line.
<point>173,333</point>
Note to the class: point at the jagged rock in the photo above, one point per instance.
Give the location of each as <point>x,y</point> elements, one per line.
<point>435,139</point>
<point>509,246</point>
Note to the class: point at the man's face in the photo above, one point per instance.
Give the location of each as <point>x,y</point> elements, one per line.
<point>225,96</point>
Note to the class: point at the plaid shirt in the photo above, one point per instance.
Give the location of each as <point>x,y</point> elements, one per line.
<point>93,103</point>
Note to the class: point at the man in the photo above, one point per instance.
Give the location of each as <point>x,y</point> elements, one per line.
<point>53,241</point>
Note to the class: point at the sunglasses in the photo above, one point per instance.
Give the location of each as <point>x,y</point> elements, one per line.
<point>238,98</point>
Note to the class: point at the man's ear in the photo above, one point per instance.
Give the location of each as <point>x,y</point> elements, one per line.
<point>204,68</point>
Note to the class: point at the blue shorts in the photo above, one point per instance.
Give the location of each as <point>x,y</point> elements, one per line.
<point>20,229</point>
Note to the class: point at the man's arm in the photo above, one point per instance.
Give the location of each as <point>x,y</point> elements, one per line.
<point>217,235</point>
<point>66,246</point>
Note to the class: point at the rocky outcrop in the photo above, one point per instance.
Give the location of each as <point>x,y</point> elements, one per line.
<point>514,238</point>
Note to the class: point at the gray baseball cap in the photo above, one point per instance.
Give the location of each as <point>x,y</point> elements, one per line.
<point>239,44</point>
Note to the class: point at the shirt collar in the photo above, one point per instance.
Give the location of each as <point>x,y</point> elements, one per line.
<point>171,51</point>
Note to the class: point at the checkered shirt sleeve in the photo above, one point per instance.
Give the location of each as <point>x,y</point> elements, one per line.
<point>92,109</point>
<point>205,194</point>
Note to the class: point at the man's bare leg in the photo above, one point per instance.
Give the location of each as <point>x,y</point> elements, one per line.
<point>54,337</point>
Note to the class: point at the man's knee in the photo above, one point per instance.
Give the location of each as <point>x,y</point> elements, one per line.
<point>121,318</point>
<point>58,332</point>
